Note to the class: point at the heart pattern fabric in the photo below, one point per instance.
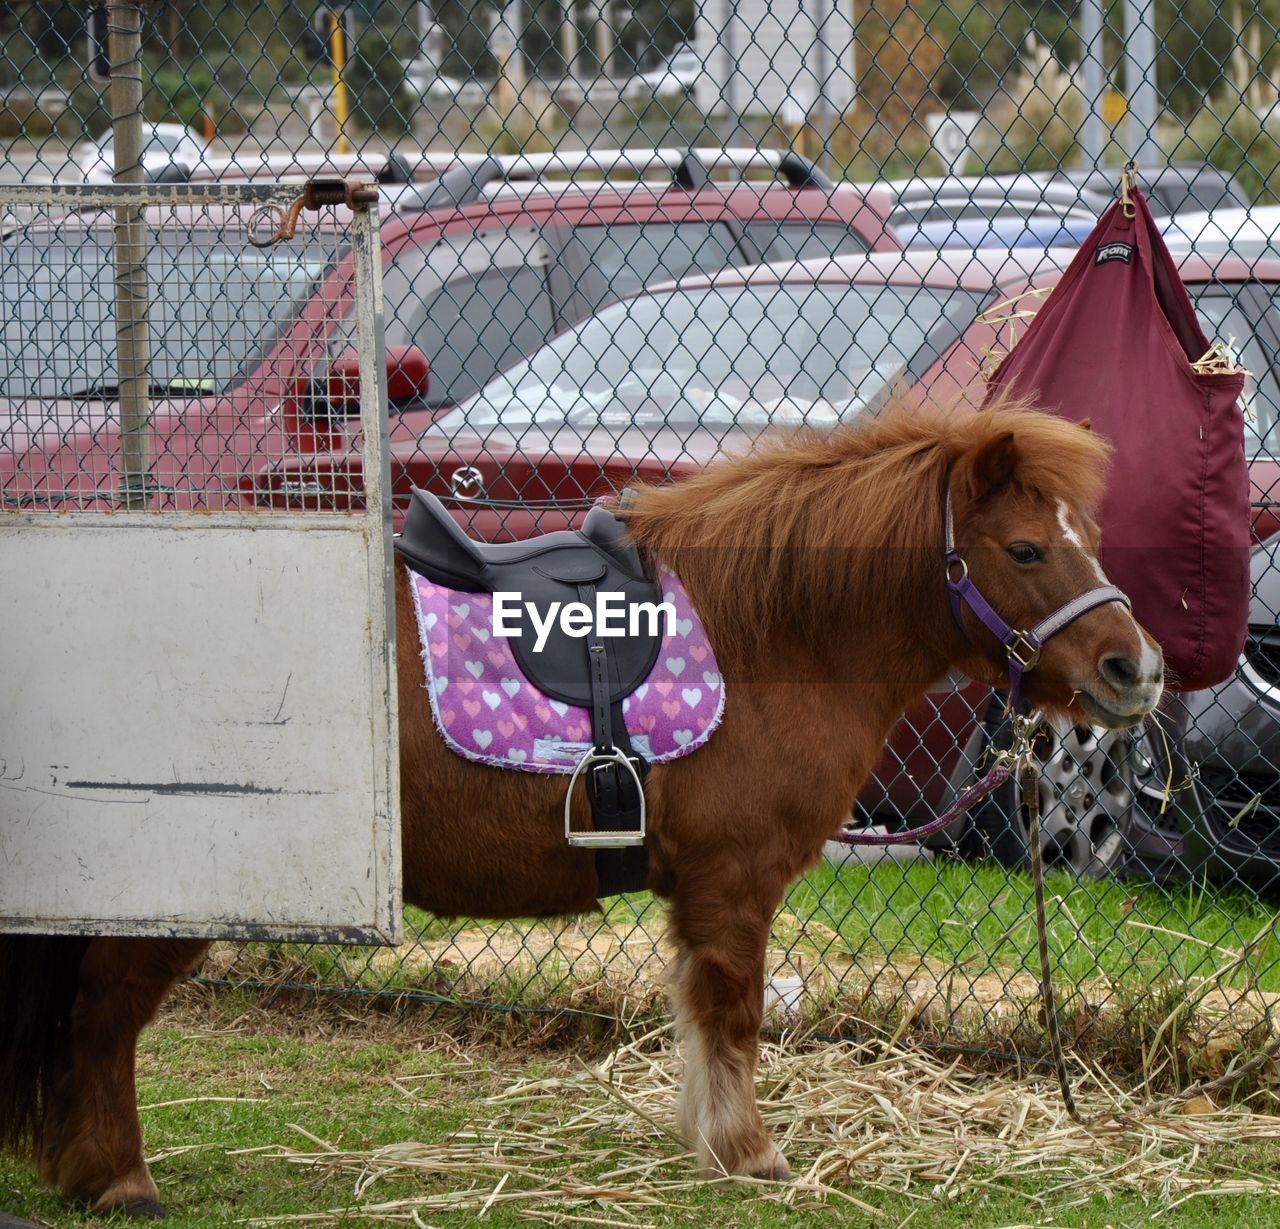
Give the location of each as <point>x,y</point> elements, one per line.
<point>487,711</point>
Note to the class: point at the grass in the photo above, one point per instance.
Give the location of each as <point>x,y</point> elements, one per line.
<point>850,923</point>
<point>236,1099</point>
<point>982,916</point>
<point>1160,985</point>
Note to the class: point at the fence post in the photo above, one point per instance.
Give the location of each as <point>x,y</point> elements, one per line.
<point>1093,71</point>
<point>338,51</point>
<point>1140,80</point>
<point>133,344</point>
<point>822,58</point>
<point>729,37</point>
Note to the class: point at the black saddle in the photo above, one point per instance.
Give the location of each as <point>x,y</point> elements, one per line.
<point>593,672</point>
<point>570,565</point>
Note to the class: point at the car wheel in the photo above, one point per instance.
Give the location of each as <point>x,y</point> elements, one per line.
<point>1087,795</point>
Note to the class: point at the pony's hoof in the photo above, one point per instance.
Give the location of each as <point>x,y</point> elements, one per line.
<point>134,1196</point>
<point>771,1165</point>
<point>143,1209</point>
<point>765,1162</point>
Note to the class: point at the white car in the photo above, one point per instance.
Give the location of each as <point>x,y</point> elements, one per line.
<point>424,78</point>
<point>678,75</point>
<point>170,152</point>
<point>1250,233</point>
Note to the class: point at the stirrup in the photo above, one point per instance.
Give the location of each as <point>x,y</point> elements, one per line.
<point>599,839</point>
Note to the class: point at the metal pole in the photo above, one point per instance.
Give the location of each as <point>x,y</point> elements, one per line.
<point>133,345</point>
<point>504,41</point>
<point>729,41</point>
<point>604,37</point>
<point>804,102</point>
<point>569,42</point>
<point>341,98</point>
<point>1093,132</point>
<point>1140,80</point>
<point>822,59</point>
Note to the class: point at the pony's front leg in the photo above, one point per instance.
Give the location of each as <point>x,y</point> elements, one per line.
<point>720,919</point>
<point>91,1144</point>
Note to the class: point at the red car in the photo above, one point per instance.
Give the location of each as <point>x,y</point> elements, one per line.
<point>481,266</point>
<point>657,385</point>
<point>648,387</point>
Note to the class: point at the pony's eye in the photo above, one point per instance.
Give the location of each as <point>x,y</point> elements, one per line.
<point>1025,552</point>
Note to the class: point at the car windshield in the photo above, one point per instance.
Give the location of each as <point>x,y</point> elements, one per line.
<point>216,308</point>
<point>721,357</point>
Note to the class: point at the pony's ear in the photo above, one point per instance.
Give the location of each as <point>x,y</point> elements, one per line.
<point>991,464</point>
<point>1086,424</point>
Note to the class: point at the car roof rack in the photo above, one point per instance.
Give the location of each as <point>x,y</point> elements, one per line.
<point>460,185</point>
<point>1028,186</point>
<point>470,179</point>
<point>396,170</point>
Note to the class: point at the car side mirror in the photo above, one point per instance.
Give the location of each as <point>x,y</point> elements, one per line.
<point>408,378</point>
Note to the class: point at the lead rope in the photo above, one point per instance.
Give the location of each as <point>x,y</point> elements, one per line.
<point>1020,759</point>
<point>1029,778</point>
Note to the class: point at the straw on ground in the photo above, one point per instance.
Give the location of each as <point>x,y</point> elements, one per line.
<point>594,1145</point>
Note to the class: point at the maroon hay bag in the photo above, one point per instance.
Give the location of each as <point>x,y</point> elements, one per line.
<point>1115,343</point>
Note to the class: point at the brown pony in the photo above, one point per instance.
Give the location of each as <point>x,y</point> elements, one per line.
<point>816,563</point>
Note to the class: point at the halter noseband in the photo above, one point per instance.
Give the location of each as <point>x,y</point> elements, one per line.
<point>1022,648</point>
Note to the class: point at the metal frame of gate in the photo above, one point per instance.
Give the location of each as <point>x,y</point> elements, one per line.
<point>47,884</point>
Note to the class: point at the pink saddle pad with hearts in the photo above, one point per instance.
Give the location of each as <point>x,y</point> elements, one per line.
<point>487,711</point>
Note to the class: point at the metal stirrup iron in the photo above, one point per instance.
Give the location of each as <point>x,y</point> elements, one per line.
<point>609,755</point>
<point>596,759</point>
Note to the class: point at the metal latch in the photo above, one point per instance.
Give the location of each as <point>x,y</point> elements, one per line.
<point>316,194</point>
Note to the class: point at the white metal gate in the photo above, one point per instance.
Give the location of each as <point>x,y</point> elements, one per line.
<point>197,730</point>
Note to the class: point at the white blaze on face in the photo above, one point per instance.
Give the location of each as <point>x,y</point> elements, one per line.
<point>1148,662</point>
<point>1069,532</point>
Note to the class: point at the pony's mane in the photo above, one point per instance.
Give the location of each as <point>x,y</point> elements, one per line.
<point>751,532</point>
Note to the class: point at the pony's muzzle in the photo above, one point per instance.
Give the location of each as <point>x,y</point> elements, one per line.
<point>1120,671</point>
<point>1134,683</point>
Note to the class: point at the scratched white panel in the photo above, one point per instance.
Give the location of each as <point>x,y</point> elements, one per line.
<point>194,728</point>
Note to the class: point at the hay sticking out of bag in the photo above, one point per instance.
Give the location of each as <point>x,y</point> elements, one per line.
<point>1008,311</point>
<point>596,1145</point>
<point>1220,360</point>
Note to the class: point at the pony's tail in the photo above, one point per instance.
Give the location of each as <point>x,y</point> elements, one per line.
<point>39,976</point>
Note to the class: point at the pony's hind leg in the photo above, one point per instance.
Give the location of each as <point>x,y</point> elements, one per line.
<point>720,922</point>
<point>91,1145</point>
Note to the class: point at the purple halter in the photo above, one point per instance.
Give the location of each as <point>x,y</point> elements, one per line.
<point>1022,648</point>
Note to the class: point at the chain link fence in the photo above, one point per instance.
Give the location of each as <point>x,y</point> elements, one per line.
<point>559,179</point>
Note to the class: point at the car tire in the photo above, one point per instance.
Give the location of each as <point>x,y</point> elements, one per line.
<point>1087,797</point>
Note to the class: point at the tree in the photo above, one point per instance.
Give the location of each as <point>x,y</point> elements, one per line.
<point>898,58</point>
<point>374,75</point>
